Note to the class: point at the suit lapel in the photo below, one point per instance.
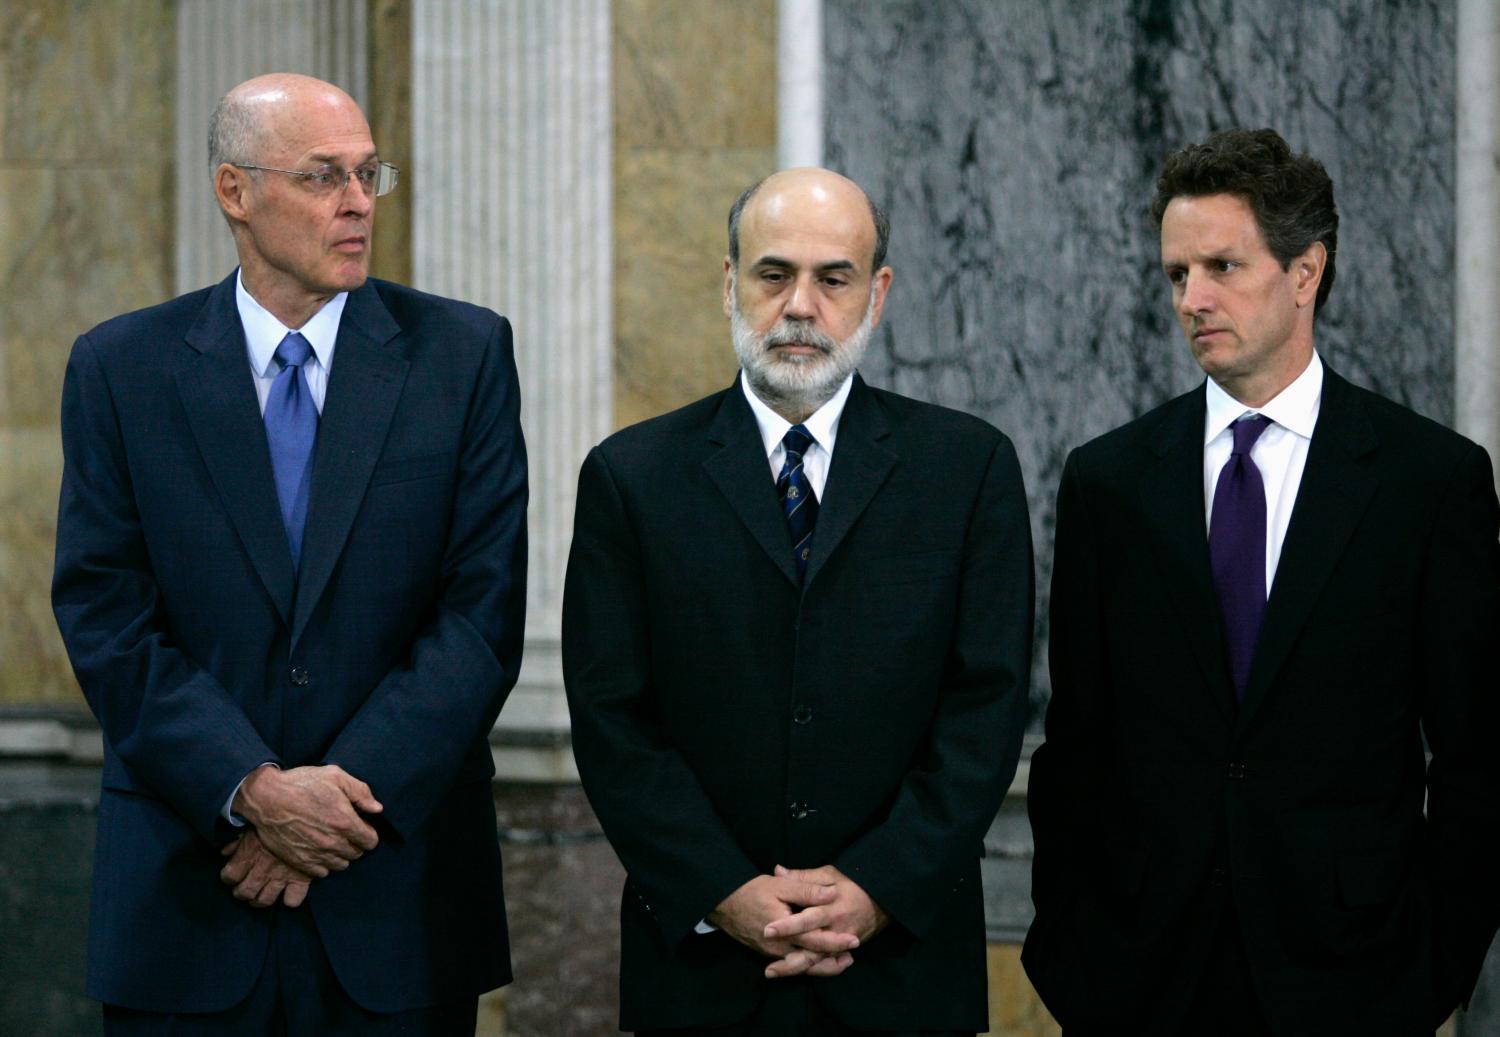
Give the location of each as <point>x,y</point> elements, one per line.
<point>1172,492</point>
<point>860,465</point>
<point>218,395</point>
<point>363,387</point>
<point>740,470</point>
<point>1337,484</point>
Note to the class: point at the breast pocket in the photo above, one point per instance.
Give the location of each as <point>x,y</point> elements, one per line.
<point>410,469</point>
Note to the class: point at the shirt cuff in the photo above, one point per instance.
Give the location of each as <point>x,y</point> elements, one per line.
<point>228,812</point>
<point>703,928</point>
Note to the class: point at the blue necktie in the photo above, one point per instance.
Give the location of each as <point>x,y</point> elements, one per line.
<point>1237,549</point>
<point>291,430</point>
<point>797,500</point>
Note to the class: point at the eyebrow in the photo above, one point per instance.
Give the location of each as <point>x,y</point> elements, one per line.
<point>326,159</point>
<point>787,264</point>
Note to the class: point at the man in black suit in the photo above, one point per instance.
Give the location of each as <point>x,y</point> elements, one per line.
<point>796,635</point>
<point>1266,592</point>
<point>290,576</point>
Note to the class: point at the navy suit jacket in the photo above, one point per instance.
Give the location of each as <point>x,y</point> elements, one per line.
<point>203,654</point>
<point>727,718</point>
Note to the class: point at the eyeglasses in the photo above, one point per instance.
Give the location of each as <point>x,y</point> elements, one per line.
<point>330,180</point>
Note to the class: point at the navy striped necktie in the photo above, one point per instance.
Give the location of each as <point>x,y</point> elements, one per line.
<point>795,491</point>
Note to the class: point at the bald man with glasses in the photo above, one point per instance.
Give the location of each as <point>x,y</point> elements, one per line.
<point>291,579</point>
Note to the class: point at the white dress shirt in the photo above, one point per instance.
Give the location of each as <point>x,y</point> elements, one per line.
<point>263,333</point>
<point>822,425</point>
<point>1280,453</point>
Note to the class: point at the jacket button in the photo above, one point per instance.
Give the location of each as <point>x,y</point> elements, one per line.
<point>800,811</point>
<point>802,715</point>
<point>300,677</point>
<point>1219,876</point>
<point>1236,771</point>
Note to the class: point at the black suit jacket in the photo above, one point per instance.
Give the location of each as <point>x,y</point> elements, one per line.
<point>1154,794</point>
<point>389,652</point>
<point>726,720</point>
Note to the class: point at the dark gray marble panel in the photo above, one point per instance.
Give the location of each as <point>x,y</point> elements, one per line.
<point>1017,144</point>
<point>47,817</point>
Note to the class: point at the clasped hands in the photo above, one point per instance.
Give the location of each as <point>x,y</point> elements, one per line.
<point>303,824</point>
<point>808,920</point>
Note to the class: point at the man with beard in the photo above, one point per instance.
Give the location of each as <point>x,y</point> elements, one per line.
<point>796,640</point>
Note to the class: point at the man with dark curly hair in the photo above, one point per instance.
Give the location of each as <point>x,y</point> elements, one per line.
<point>1266,592</point>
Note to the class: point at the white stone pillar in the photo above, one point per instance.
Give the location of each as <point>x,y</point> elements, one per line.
<point>220,44</point>
<point>1477,203</point>
<point>799,94</point>
<point>511,178</point>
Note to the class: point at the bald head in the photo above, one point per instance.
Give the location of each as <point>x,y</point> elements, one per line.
<point>819,194</point>
<point>260,111</point>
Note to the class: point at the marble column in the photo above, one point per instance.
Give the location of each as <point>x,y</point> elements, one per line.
<point>512,209</point>
<point>219,45</point>
<point>1477,248</point>
<point>1477,303</point>
<point>799,75</point>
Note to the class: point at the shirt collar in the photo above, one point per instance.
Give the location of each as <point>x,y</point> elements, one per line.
<point>263,332</point>
<point>822,425</point>
<point>1294,408</point>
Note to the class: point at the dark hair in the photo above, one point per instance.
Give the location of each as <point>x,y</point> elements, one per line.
<point>877,214</point>
<point>1290,195</point>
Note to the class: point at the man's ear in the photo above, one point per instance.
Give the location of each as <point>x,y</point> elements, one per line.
<point>1308,272</point>
<point>231,188</point>
<point>728,287</point>
<point>882,285</point>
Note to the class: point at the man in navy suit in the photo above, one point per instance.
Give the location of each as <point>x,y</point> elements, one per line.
<point>1266,592</point>
<point>291,579</point>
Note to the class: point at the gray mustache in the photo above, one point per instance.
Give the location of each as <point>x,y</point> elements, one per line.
<point>788,333</point>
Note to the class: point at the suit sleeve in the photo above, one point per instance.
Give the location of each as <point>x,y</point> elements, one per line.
<point>917,856</point>
<point>1064,769</point>
<point>680,856</point>
<point>411,735</point>
<point>1461,714</point>
<point>168,720</point>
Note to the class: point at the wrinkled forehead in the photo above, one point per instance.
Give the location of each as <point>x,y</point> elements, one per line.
<point>1208,225</point>
<point>316,127</point>
<point>809,226</point>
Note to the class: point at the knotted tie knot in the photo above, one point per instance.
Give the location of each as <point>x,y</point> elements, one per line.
<point>796,441</point>
<point>294,350</point>
<point>1247,431</point>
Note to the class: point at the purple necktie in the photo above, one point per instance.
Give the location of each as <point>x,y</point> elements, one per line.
<point>1237,550</point>
<point>291,430</point>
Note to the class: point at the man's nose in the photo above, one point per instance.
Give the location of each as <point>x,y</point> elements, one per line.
<point>800,305</point>
<point>356,199</point>
<point>1197,296</point>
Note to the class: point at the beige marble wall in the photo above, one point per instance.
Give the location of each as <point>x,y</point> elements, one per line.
<point>389,111</point>
<point>1015,1010</point>
<point>694,123</point>
<point>85,233</point>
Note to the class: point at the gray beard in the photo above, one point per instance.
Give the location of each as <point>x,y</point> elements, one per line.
<point>795,384</point>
